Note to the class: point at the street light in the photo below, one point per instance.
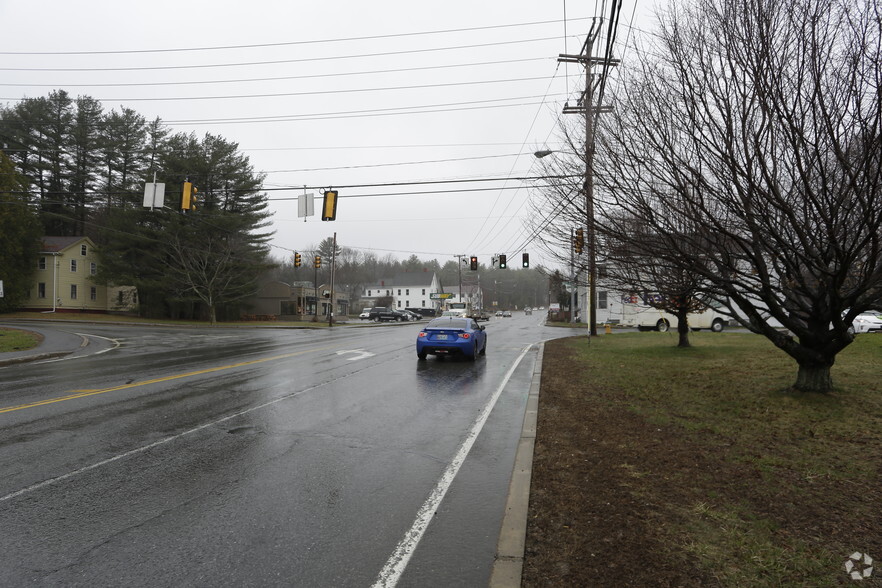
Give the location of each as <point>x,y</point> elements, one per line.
<point>588,188</point>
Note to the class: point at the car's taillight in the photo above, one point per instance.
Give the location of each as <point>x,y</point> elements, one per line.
<point>464,335</point>
<point>423,333</point>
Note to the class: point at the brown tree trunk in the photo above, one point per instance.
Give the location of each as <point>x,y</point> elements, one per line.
<point>683,328</point>
<point>814,378</point>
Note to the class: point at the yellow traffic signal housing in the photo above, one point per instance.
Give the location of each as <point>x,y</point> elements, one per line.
<point>186,195</point>
<point>297,260</point>
<point>579,242</point>
<point>329,206</point>
<point>318,261</point>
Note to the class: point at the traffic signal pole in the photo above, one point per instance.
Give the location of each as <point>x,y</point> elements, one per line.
<point>331,298</point>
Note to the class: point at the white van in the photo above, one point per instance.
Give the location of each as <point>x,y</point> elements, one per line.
<point>635,313</point>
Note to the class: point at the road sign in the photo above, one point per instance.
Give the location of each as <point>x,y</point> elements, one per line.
<point>154,195</point>
<point>440,295</point>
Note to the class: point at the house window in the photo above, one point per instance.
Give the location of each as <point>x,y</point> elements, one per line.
<point>424,291</point>
<point>399,291</point>
<point>407,304</point>
<point>73,291</point>
<point>83,250</point>
<point>42,263</point>
<point>406,292</point>
<point>399,304</point>
<point>423,305</point>
<point>41,290</point>
<point>93,293</point>
<point>73,265</point>
<point>93,268</point>
<point>601,300</point>
<point>369,292</point>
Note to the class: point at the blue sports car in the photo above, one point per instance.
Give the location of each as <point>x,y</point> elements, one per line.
<point>451,335</point>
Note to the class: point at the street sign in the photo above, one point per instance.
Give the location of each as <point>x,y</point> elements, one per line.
<point>440,295</point>
<point>154,195</point>
<point>306,205</point>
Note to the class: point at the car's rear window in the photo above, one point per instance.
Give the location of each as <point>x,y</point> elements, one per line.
<point>448,323</point>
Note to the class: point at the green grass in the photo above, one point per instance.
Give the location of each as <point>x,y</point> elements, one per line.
<point>15,340</point>
<point>730,395</point>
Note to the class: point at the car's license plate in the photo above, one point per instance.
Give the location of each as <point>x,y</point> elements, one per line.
<point>441,337</point>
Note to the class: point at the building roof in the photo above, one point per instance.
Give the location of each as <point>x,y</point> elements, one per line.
<point>58,244</point>
<point>412,279</point>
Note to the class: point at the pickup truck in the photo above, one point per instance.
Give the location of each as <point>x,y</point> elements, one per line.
<point>381,314</point>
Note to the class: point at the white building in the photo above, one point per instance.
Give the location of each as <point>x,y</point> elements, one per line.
<point>407,290</point>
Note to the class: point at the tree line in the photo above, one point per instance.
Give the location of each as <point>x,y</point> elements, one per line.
<point>72,168</point>
<point>508,288</point>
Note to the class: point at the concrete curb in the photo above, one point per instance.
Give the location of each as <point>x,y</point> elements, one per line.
<point>509,564</point>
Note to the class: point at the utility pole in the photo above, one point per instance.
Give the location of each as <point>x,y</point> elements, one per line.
<point>586,107</point>
<point>331,297</point>
<point>459,259</point>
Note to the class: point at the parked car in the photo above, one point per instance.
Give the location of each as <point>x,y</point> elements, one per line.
<point>867,322</point>
<point>424,312</point>
<point>412,316</point>
<point>506,313</point>
<point>498,313</point>
<point>452,336</point>
<point>382,314</point>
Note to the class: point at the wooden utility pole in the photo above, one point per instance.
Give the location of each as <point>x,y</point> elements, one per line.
<point>585,106</point>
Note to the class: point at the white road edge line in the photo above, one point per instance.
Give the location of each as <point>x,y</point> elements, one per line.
<point>395,566</point>
<point>86,336</point>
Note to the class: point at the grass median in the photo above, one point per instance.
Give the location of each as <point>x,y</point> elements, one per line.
<point>661,466</point>
<point>18,340</point>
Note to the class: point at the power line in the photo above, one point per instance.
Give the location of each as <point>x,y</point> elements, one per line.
<point>279,61</point>
<point>309,93</point>
<point>281,44</point>
<point>279,78</point>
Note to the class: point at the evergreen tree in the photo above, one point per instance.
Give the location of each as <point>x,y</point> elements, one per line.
<point>19,237</point>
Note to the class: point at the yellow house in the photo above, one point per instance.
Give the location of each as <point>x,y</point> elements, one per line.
<point>63,281</point>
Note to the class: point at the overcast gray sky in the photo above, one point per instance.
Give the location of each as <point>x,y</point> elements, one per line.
<point>337,94</point>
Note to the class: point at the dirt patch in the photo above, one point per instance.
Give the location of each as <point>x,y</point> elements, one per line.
<point>619,501</point>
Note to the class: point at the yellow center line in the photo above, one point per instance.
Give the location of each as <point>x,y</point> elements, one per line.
<point>85,393</point>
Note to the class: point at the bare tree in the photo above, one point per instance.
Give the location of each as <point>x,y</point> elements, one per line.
<point>758,121</point>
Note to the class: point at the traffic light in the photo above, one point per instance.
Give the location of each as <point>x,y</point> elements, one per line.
<point>318,261</point>
<point>502,263</point>
<point>525,260</point>
<point>579,242</point>
<point>473,263</point>
<point>329,206</point>
<point>187,195</point>
<point>297,260</point>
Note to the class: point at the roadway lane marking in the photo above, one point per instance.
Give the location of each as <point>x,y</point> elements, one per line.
<point>362,354</point>
<point>149,446</point>
<point>85,393</point>
<point>394,568</point>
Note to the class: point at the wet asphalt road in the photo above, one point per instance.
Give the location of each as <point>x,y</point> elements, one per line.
<point>259,457</point>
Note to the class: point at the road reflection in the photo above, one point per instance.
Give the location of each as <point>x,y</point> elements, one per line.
<point>451,376</point>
